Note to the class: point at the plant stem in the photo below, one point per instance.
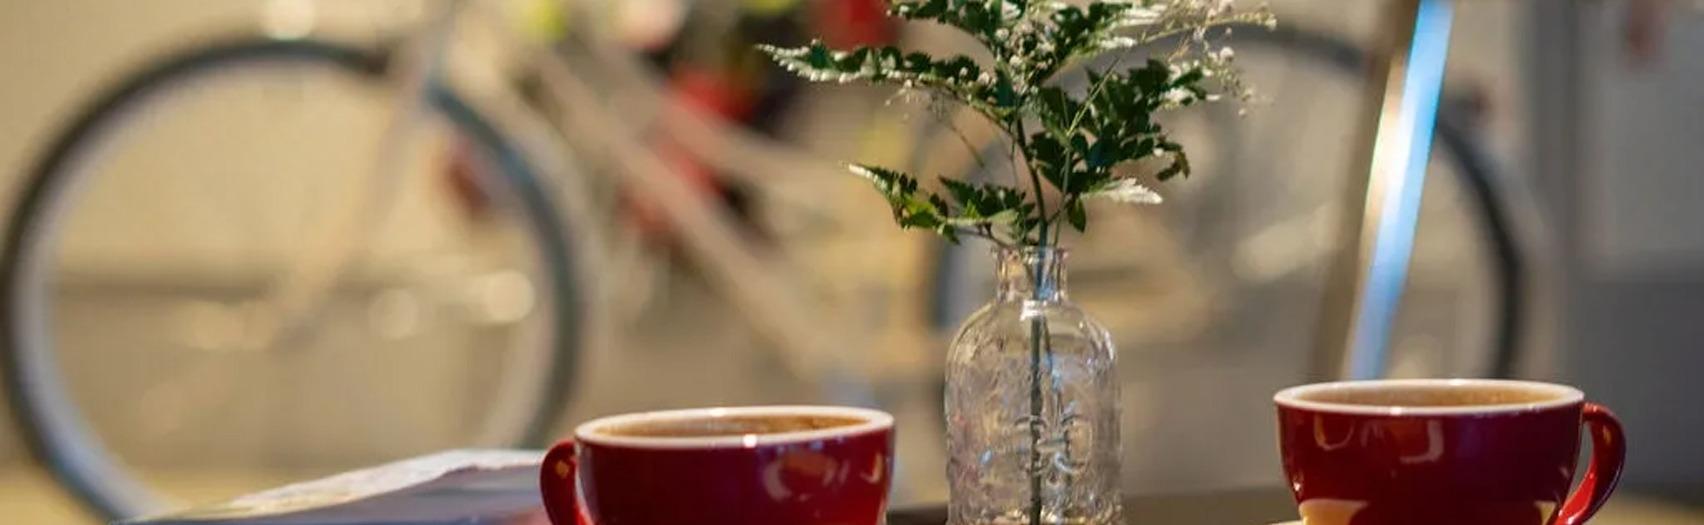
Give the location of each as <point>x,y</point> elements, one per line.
<point>1022,139</point>
<point>1038,325</point>
<point>983,232</point>
<point>1038,328</point>
<point>1059,225</point>
<point>1077,120</point>
<point>1038,339</point>
<point>975,154</point>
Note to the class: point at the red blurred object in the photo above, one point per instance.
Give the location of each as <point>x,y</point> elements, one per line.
<point>712,95</point>
<point>1644,30</point>
<point>850,23</point>
<point>462,175</point>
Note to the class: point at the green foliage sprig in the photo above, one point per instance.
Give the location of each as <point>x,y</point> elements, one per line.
<point>1065,143</point>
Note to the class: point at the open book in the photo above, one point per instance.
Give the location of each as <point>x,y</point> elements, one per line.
<point>462,487</point>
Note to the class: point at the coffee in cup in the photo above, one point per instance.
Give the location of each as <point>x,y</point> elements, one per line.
<point>708,426</point>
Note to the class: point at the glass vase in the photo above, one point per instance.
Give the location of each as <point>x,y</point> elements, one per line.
<point>1032,404</point>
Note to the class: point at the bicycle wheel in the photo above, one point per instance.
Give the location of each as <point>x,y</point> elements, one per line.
<point>148,245</point>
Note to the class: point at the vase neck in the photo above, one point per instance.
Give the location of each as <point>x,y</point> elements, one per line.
<point>1029,274</point>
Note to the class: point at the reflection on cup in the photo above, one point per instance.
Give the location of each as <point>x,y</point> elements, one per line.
<point>1463,452</point>
<point>775,465</point>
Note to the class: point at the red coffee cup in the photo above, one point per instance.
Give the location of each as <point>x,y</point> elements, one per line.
<point>1445,451</point>
<point>644,469</point>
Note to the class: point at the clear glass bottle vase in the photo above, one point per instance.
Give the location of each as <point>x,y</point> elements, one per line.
<point>1032,404</point>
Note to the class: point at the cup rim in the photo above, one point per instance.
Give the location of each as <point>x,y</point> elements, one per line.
<point>874,420</point>
<point>1559,396</point>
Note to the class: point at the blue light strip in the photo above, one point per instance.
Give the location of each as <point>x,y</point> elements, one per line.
<point>1399,211</point>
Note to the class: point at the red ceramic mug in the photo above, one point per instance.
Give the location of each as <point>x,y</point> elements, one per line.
<point>776,465</point>
<point>1456,451</point>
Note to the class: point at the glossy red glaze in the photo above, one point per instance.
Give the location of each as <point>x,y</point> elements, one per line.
<point>1609,449</point>
<point>841,479</point>
<point>1427,467</point>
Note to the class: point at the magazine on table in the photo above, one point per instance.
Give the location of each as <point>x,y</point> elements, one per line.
<point>463,487</point>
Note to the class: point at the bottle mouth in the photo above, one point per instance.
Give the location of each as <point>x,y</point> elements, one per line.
<point>1029,249</point>
<point>1030,273</point>
<point>1032,253</point>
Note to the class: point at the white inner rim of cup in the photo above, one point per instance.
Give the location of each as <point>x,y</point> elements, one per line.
<point>1555,396</point>
<point>594,431</point>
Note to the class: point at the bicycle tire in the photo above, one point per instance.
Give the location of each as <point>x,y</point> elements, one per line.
<point>1457,145</point>
<point>52,427</point>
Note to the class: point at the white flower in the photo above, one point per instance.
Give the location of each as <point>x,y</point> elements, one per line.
<point>1141,16</point>
<point>881,184</point>
<point>1178,96</point>
<point>1118,42</point>
<point>863,172</point>
<point>1127,191</point>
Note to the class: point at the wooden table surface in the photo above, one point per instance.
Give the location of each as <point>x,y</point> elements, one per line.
<point>1237,507</point>
<point>1273,505</point>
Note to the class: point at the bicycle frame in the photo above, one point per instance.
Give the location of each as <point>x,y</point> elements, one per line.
<point>743,271</point>
<point>296,296</point>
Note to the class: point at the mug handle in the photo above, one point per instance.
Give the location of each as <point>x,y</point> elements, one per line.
<point>1609,448</point>
<point>556,479</point>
